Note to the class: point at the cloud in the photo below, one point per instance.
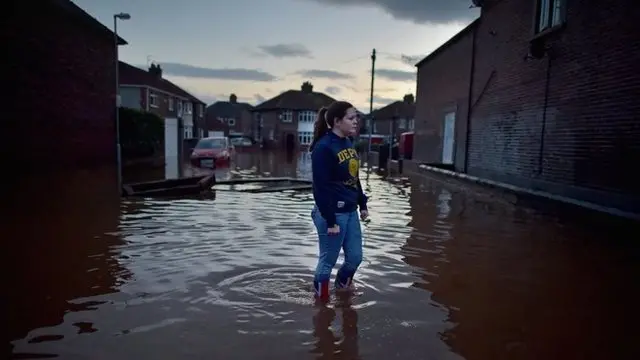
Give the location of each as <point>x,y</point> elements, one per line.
<point>185,70</point>
<point>410,60</point>
<point>381,100</point>
<point>333,90</point>
<point>327,74</point>
<point>421,12</point>
<point>385,89</point>
<point>208,99</point>
<point>259,98</point>
<point>378,102</point>
<point>396,75</point>
<point>285,50</point>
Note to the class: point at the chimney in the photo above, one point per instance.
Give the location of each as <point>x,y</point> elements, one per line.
<point>155,70</point>
<point>307,87</point>
<point>409,99</point>
<point>233,99</point>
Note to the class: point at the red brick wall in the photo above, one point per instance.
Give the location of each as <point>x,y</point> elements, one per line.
<point>162,107</point>
<point>576,134</point>
<point>62,86</point>
<point>443,86</point>
<point>281,129</point>
<point>579,130</point>
<point>242,123</point>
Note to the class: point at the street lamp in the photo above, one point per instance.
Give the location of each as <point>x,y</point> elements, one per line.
<point>120,16</point>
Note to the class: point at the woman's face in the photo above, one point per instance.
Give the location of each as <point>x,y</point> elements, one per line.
<point>348,125</point>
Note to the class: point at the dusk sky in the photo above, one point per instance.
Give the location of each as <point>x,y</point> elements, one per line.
<point>258,49</point>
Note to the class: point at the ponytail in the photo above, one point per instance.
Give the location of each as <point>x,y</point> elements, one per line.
<point>320,127</point>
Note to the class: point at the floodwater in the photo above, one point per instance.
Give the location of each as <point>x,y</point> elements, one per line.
<point>449,272</point>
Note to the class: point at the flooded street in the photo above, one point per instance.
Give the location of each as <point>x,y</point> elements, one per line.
<point>448,273</point>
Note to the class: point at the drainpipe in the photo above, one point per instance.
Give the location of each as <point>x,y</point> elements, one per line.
<point>148,96</point>
<point>470,100</point>
<point>544,115</point>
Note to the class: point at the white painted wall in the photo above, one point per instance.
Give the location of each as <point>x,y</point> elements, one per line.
<point>171,158</point>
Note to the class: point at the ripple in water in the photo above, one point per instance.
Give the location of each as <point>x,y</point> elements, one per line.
<point>231,278</point>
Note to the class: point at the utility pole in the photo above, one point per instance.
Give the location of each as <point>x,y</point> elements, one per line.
<point>373,74</point>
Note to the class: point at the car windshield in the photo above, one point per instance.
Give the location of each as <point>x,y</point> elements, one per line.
<point>211,144</point>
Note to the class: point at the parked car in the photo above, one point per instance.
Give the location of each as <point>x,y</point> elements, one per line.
<point>212,152</point>
<point>242,141</point>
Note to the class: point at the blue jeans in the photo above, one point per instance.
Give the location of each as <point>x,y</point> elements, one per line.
<point>349,239</point>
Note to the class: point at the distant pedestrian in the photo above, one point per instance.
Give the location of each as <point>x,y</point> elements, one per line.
<point>338,194</point>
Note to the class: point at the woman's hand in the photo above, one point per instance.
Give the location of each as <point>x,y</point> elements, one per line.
<point>364,214</point>
<point>335,230</point>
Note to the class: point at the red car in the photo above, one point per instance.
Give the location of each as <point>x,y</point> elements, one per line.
<point>212,152</point>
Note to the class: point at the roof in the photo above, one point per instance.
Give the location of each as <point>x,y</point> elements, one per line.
<point>449,42</point>
<point>296,100</point>
<point>79,14</point>
<point>397,109</point>
<point>132,75</point>
<point>227,109</point>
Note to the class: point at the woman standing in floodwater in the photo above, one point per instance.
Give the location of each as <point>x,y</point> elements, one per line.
<point>338,194</point>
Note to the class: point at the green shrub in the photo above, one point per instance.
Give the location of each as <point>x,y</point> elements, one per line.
<point>141,133</point>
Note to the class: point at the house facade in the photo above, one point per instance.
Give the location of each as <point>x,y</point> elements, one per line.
<point>61,109</point>
<point>286,121</point>
<point>149,91</point>
<point>236,117</point>
<point>534,94</point>
<point>393,119</point>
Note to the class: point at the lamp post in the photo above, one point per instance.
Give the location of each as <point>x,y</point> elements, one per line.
<point>116,17</point>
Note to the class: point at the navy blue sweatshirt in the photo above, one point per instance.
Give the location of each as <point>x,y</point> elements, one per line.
<point>336,183</point>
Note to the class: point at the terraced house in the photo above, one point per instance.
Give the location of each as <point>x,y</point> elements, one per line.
<point>286,121</point>
<point>394,118</point>
<point>229,117</point>
<point>541,94</point>
<point>149,91</point>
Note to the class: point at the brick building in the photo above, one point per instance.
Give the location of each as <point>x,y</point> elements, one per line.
<point>149,91</point>
<point>61,71</point>
<point>286,121</point>
<point>551,87</point>
<point>393,119</point>
<point>235,115</point>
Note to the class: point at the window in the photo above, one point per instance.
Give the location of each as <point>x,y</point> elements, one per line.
<point>231,121</point>
<point>550,13</point>
<point>179,107</point>
<point>170,104</point>
<point>153,100</point>
<point>375,127</point>
<point>307,116</point>
<point>188,132</point>
<point>412,124</point>
<point>305,137</point>
<point>402,124</point>
<point>188,107</point>
<point>200,110</point>
<point>287,116</point>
